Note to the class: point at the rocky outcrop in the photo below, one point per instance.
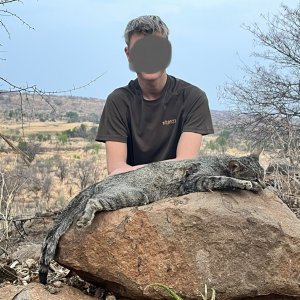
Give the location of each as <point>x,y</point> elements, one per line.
<point>240,243</point>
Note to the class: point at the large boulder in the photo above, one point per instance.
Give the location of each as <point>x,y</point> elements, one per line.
<point>240,243</point>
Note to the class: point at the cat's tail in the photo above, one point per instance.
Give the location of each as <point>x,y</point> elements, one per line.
<point>63,222</point>
<point>48,249</point>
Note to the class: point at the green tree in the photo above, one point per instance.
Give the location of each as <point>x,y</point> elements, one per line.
<point>222,140</point>
<point>72,116</point>
<point>62,138</point>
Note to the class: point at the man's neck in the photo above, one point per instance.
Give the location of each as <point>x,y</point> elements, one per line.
<point>152,89</point>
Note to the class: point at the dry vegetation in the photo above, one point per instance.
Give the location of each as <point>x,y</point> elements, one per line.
<point>36,127</point>
<point>61,168</point>
<point>53,177</point>
<point>66,159</point>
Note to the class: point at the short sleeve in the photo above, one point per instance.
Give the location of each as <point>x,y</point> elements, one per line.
<point>197,114</point>
<point>113,122</point>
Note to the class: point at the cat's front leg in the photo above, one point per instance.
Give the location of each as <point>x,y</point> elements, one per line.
<point>208,183</point>
<point>256,187</point>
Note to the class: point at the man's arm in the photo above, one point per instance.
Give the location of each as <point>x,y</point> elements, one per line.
<point>188,145</point>
<point>116,152</point>
<point>116,157</point>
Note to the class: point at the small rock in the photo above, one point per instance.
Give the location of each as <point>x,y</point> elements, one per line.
<point>110,297</point>
<point>52,289</point>
<point>99,293</point>
<point>26,278</point>
<point>15,263</point>
<point>28,251</point>
<point>30,262</point>
<point>57,284</point>
<point>25,283</point>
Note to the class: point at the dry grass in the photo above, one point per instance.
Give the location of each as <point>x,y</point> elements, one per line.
<point>41,127</point>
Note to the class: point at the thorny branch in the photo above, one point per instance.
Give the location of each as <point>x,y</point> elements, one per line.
<point>267,99</point>
<point>32,90</point>
<point>8,13</point>
<point>17,150</point>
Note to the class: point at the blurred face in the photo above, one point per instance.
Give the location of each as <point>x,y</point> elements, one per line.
<point>148,55</point>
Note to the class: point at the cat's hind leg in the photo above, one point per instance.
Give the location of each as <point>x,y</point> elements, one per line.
<point>93,205</point>
<point>122,197</point>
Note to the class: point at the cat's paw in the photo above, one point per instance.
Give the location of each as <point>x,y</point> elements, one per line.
<point>256,187</point>
<point>248,185</point>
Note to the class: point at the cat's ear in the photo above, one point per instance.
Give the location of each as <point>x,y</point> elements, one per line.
<point>234,166</point>
<point>257,152</point>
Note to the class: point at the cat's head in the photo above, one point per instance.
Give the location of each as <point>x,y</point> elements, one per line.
<point>247,168</point>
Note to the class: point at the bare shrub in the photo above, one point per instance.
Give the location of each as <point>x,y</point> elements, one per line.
<point>86,172</point>
<point>266,101</point>
<point>62,167</point>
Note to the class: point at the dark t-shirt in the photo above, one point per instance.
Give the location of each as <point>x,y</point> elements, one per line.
<point>152,128</point>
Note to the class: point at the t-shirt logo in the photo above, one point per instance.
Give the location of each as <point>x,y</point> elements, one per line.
<point>169,122</point>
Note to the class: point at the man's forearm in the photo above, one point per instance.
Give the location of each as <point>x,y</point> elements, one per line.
<point>122,168</point>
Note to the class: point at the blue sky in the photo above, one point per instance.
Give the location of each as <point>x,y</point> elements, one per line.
<point>75,41</point>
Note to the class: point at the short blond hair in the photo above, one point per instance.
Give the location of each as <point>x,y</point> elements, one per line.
<point>147,25</point>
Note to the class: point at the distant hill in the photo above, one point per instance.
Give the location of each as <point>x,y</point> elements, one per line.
<point>62,107</point>
<point>49,107</point>
<point>222,119</point>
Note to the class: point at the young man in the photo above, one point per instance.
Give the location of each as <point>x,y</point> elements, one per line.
<point>156,116</point>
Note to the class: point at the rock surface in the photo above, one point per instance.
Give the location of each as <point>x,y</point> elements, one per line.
<point>32,251</point>
<point>36,291</point>
<point>240,243</point>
